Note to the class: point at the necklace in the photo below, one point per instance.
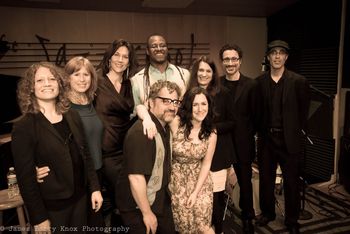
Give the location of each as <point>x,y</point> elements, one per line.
<point>78,98</point>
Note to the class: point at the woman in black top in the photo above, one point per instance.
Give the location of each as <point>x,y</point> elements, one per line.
<point>114,104</point>
<point>51,135</point>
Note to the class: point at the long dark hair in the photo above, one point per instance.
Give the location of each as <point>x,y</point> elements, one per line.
<point>214,85</point>
<point>113,47</point>
<point>185,113</point>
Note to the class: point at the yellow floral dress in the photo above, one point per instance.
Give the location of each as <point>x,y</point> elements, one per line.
<point>186,165</point>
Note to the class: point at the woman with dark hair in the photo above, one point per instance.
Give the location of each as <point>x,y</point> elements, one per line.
<point>114,104</point>
<point>194,140</point>
<point>51,135</point>
<point>204,74</point>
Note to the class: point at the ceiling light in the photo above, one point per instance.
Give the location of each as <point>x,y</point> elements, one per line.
<point>166,3</point>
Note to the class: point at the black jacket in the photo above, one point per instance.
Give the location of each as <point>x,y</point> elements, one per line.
<point>35,142</point>
<point>224,154</point>
<point>295,107</point>
<point>245,109</point>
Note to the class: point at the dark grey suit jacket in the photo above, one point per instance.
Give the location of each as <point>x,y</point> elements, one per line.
<point>35,142</point>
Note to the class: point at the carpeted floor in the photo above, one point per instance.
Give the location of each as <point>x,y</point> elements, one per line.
<point>329,208</point>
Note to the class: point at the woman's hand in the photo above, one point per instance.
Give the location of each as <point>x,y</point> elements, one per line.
<point>43,227</point>
<point>191,200</point>
<point>41,172</point>
<point>96,200</point>
<point>149,128</point>
<point>231,180</point>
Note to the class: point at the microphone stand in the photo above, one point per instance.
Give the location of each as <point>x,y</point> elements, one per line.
<point>304,214</point>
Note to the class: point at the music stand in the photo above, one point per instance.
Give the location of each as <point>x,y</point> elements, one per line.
<point>304,214</point>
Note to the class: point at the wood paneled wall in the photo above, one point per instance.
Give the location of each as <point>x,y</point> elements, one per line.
<point>90,32</point>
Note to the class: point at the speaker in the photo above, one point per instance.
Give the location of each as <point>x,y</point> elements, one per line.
<point>344,162</point>
<point>347,115</point>
<point>320,114</point>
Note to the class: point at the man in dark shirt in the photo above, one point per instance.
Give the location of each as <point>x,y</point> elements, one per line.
<point>285,102</point>
<point>242,90</point>
<point>144,200</point>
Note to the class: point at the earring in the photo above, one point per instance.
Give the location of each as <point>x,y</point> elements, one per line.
<point>127,72</point>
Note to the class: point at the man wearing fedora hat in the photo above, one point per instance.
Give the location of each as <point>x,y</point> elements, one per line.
<point>284,97</point>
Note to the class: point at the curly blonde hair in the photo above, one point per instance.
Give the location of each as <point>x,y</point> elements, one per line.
<point>26,98</point>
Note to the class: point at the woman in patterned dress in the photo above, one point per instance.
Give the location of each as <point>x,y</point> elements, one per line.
<point>204,74</point>
<point>194,140</point>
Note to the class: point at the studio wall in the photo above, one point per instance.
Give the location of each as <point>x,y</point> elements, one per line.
<point>63,26</point>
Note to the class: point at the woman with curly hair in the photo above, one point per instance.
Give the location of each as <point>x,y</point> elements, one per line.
<point>50,134</point>
<point>194,141</point>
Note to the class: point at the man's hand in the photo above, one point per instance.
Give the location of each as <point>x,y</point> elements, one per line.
<point>151,223</point>
<point>138,188</point>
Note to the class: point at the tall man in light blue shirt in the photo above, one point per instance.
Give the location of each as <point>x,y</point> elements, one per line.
<point>157,68</point>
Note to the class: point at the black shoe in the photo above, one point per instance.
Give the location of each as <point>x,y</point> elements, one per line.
<point>248,227</point>
<point>293,230</point>
<point>263,220</point>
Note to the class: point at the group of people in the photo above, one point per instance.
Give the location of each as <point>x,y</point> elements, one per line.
<point>161,141</point>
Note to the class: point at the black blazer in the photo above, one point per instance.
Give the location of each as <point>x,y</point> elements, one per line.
<point>245,109</point>
<point>35,142</point>
<point>295,107</point>
<point>224,154</point>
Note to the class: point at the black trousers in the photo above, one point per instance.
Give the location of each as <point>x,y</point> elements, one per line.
<point>218,211</point>
<point>112,166</point>
<point>71,218</point>
<point>243,171</point>
<point>272,150</point>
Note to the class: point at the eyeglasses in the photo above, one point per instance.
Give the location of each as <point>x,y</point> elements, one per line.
<point>228,60</point>
<point>168,101</point>
<point>156,46</point>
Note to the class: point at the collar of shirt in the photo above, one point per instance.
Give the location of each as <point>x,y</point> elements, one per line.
<point>280,81</point>
<point>155,73</point>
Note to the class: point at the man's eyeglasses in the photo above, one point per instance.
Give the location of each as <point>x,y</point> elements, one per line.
<point>228,60</point>
<point>168,101</point>
<point>156,46</point>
